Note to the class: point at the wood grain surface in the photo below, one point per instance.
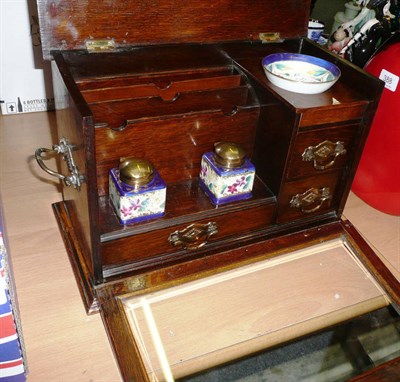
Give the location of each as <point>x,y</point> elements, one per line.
<point>69,24</point>
<point>244,310</point>
<point>62,342</point>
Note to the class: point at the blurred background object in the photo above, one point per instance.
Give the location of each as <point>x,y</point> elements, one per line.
<point>377,180</point>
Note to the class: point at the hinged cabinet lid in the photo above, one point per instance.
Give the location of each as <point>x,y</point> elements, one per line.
<point>69,24</point>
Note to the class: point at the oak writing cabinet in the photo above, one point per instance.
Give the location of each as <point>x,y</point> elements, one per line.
<point>165,82</point>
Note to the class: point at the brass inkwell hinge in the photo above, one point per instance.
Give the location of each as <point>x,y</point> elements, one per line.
<point>269,37</point>
<point>104,45</point>
<point>65,149</point>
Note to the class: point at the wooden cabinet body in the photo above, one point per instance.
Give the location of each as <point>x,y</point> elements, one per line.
<point>217,92</point>
<point>177,81</point>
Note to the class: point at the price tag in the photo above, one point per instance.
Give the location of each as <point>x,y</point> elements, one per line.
<point>390,79</point>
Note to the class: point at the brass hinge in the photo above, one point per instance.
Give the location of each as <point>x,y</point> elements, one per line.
<point>105,45</point>
<point>270,37</point>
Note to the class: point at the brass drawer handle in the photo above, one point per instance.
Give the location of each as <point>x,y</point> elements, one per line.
<point>194,236</point>
<point>64,148</point>
<point>311,200</point>
<point>323,152</point>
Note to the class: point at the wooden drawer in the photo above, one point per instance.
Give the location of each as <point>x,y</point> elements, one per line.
<point>318,151</point>
<point>307,197</point>
<point>336,113</point>
<point>154,247</point>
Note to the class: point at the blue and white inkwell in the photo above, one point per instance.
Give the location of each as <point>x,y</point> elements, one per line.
<point>137,191</point>
<point>226,174</point>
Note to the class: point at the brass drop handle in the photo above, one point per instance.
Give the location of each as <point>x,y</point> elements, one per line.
<point>311,200</point>
<point>65,149</point>
<point>323,152</point>
<point>194,236</point>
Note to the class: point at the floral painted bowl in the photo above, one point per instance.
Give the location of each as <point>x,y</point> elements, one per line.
<point>300,73</point>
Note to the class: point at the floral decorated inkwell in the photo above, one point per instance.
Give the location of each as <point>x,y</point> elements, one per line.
<point>137,191</point>
<point>226,174</point>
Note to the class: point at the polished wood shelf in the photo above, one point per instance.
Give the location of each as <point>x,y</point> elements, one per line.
<point>186,202</point>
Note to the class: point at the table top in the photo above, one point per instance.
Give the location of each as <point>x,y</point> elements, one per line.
<point>62,342</point>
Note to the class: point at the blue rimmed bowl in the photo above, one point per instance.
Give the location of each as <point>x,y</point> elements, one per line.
<point>300,73</point>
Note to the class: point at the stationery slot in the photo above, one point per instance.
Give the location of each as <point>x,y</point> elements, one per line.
<point>160,79</point>
<point>165,88</point>
<point>115,113</point>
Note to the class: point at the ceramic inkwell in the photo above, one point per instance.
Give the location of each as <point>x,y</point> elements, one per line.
<point>137,191</point>
<point>226,174</point>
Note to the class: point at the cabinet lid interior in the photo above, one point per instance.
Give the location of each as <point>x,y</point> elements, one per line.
<point>70,24</point>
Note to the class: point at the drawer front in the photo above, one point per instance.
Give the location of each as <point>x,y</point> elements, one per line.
<point>143,249</point>
<point>308,197</point>
<point>336,113</point>
<point>318,151</point>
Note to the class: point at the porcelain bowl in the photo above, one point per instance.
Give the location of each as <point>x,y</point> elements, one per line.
<point>300,73</point>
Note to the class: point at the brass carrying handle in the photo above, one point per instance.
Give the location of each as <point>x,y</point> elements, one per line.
<point>194,236</point>
<point>311,200</point>
<point>65,149</point>
<point>322,152</point>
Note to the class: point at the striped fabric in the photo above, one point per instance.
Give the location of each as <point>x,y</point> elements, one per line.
<point>12,368</point>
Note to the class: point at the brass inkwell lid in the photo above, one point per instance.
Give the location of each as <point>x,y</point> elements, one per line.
<point>136,172</point>
<point>229,154</point>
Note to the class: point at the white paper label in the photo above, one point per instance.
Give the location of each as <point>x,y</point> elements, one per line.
<point>390,79</point>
